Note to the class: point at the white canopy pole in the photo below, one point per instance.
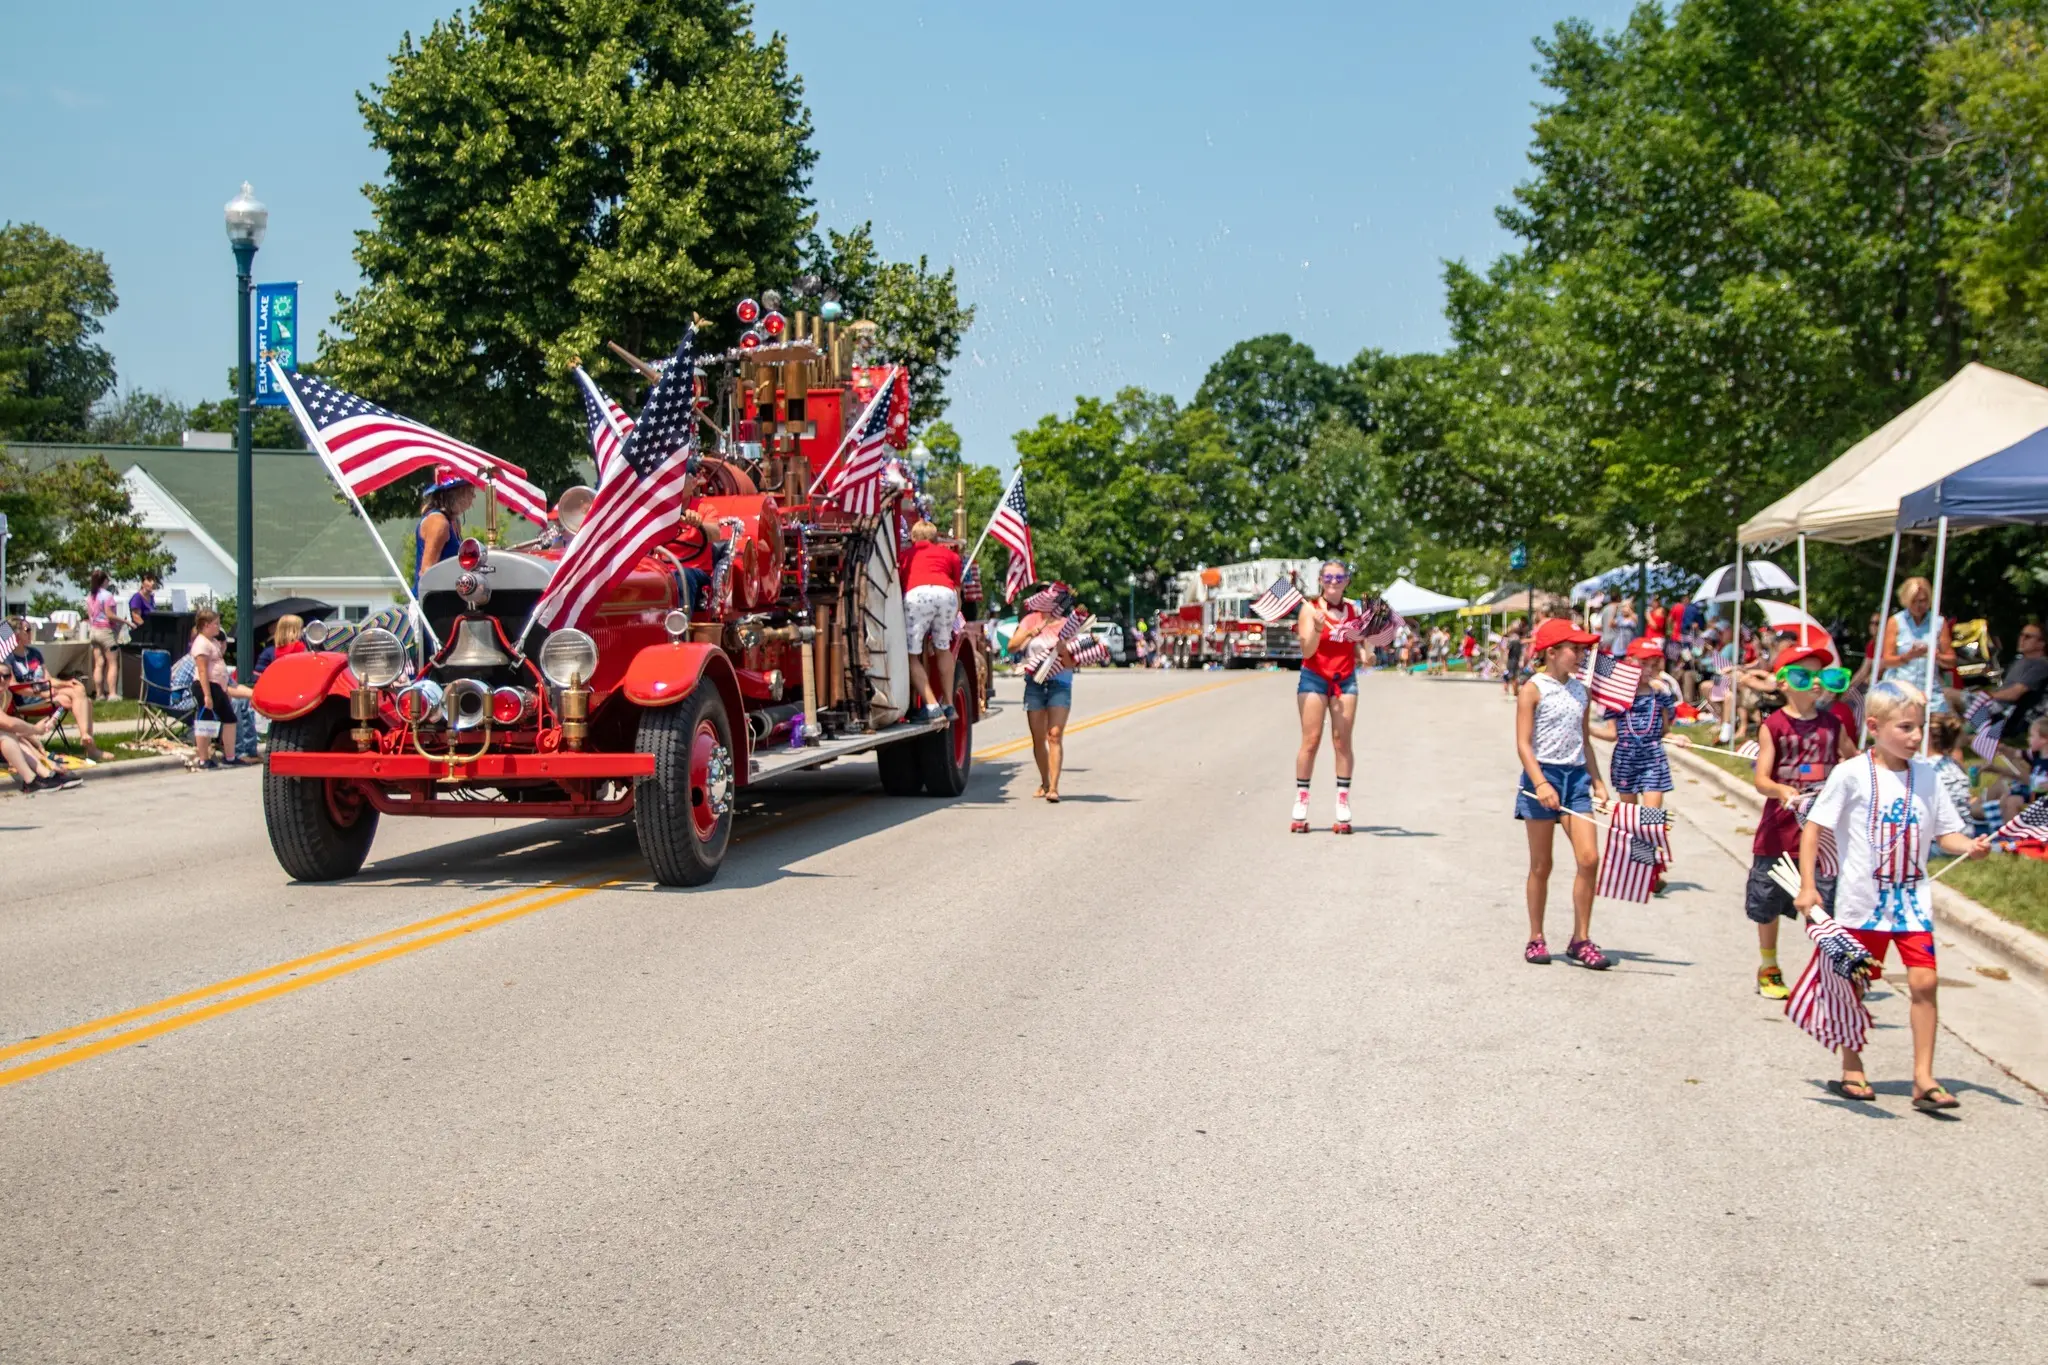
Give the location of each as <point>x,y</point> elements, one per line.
<point>1934,628</point>
<point>1802,589</point>
<point>1884,612</point>
<point>1734,651</point>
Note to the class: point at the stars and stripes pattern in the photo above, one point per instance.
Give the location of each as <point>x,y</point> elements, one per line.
<point>638,508</point>
<point>367,447</point>
<point>1637,844</point>
<point>1055,598</point>
<point>1044,654</point>
<point>1010,527</point>
<point>856,479</point>
<point>6,642</point>
<point>1276,601</point>
<point>1748,749</point>
<point>1987,718</point>
<point>1826,861</point>
<point>970,584</point>
<point>1827,1003</point>
<point>2030,823</point>
<point>1611,680</point>
<point>608,422</point>
<point>1089,653</point>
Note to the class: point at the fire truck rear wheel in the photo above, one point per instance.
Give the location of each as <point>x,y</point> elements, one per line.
<point>683,813</point>
<point>945,757</point>
<point>900,767</point>
<point>320,830</point>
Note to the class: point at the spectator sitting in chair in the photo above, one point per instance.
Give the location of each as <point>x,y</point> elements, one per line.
<point>32,685</point>
<point>21,745</point>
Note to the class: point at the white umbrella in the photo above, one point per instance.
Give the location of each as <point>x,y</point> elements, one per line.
<point>1758,575</point>
<point>1784,618</point>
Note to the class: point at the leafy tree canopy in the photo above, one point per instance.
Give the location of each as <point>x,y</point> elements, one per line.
<point>917,311</point>
<point>67,518</point>
<point>52,370</point>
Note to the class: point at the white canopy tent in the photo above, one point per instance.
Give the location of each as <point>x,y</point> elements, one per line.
<point>1978,412</point>
<point>1410,600</point>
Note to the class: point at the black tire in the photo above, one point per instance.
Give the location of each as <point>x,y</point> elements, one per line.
<point>946,757</point>
<point>902,772</point>
<point>683,813</point>
<point>318,834</point>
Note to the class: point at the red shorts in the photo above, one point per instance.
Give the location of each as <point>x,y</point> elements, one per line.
<point>1915,950</point>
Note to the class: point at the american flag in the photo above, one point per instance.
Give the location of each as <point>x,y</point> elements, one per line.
<point>1612,681</point>
<point>856,480</point>
<point>1043,655</point>
<point>2030,823</point>
<point>1010,527</point>
<point>636,510</point>
<point>367,447</point>
<point>1637,843</point>
<point>1054,598</point>
<point>1749,749</point>
<point>1276,601</point>
<point>1827,1003</point>
<point>608,422</point>
<point>6,642</point>
<point>1988,719</point>
<point>1826,862</point>
<point>970,584</point>
<point>1089,653</point>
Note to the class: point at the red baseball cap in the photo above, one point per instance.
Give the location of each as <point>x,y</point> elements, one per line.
<point>1793,654</point>
<point>1558,631</point>
<point>1649,647</point>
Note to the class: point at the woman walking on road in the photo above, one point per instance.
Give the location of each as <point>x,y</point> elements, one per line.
<point>1046,704</point>
<point>1560,780</point>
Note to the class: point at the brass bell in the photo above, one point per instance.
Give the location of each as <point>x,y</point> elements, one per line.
<point>476,645</point>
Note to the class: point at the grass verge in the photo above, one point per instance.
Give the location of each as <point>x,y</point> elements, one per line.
<point>2012,887</point>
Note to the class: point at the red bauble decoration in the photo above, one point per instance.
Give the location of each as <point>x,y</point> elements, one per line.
<point>749,339</point>
<point>749,310</point>
<point>773,324</point>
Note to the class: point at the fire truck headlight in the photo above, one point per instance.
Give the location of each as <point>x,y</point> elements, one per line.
<point>569,658</point>
<point>376,657</point>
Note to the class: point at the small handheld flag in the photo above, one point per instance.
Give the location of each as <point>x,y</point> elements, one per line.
<point>1612,681</point>
<point>608,422</point>
<point>2030,823</point>
<point>1276,601</point>
<point>1827,1003</point>
<point>1638,841</point>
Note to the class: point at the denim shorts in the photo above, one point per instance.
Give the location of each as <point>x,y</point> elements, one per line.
<point>1315,684</point>
<point>1043,696</point>
<point>1574,792</point>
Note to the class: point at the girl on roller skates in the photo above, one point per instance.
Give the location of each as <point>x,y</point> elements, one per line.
<point>1334,630</point>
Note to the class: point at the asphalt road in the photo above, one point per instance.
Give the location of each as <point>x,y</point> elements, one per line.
<point>1136,1078</point>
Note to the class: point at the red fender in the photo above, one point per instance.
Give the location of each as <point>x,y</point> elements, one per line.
<point>296,683</point>
<point>662,675</point>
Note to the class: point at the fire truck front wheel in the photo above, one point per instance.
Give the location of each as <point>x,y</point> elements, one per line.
<point>683,813</point>
<point>319,829</point>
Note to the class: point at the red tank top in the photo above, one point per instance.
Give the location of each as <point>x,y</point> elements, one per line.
<point>1806,752</point>
<point>1336,656</point>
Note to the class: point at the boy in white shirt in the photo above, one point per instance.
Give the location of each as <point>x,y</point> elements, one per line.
<point>1886,809</point>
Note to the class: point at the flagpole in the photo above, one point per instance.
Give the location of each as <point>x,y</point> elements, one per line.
<point>327,461</point>
<point>853,431</point>
<point>993,515</point>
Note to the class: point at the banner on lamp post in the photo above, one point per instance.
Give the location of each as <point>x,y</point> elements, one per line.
<point>277,336</point>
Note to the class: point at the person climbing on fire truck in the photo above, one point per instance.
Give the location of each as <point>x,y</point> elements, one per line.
<point>931,605</point>
<point>1331,627</point>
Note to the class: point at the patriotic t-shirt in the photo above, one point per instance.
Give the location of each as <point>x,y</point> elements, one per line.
<point>1884,822</point>
<point>1806,751</point>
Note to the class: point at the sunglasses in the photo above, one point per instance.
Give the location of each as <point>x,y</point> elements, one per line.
<point>1802,679</point>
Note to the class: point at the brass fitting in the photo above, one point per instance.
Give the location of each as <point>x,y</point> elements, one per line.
<point>575,715</point>
<point>362,709</point>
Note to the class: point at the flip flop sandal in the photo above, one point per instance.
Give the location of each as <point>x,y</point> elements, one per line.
<point>1931,1101</point>
<point>1859,1091</point>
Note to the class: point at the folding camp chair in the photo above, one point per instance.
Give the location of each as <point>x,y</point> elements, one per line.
<point>166,703</point>
<point>35,704</point>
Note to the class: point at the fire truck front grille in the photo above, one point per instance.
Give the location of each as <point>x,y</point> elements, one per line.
<point>1282,642</point>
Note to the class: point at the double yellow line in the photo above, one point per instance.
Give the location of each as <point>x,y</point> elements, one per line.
<point>81,1042</point>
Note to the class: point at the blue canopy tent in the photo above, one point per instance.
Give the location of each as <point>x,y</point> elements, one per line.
<point>2009,488</point>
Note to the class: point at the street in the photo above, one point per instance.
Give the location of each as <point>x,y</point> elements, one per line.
<point>1135,1078</point>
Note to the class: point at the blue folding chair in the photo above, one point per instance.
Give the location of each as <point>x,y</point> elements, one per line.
<point>167,707</point>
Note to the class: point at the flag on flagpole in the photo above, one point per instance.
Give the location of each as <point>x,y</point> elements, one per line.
<point>1612,681</point>
<point>1010,527</point>
<point>2030,823</point>
<point>368,447</point>
<point>1636,844</point>
<point>638,508</point>
<point>1276,601</point>
<point>1827,1003</point>
<point>608,422</point>
<point>856,479</point>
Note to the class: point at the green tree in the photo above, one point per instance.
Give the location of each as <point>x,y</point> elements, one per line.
<point>69,517</point>
<point>137,417</point>
<point>561,172</point>
<point>918,316</point>
<point>271,429</point>
<point>52,370</point>
<point>1271,395</point>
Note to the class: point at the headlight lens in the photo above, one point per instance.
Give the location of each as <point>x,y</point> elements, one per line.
<point>376,657</point>
<point>569,658</point>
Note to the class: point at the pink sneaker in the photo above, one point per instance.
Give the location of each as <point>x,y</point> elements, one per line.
<point>1537,952</point>
<point>1587,954</point>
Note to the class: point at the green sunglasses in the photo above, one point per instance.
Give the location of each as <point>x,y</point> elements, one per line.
<point>1802,679</point>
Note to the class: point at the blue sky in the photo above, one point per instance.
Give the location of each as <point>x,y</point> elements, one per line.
<point>1125,189</point>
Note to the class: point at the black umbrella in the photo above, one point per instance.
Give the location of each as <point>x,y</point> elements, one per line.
<point>305,608</point>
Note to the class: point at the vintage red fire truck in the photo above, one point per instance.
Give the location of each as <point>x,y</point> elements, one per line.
<point>1208,617</point>
<point>659,711</point>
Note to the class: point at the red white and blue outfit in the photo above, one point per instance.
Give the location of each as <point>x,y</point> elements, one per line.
<point>1639,763</point>
<point>1332,670</point>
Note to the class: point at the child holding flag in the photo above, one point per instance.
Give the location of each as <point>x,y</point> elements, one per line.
<point>1797,746</point>
<point>1886,810</point>
<point>1639,769</point>
<point>1560,781</point>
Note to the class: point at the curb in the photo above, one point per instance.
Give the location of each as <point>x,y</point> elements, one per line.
<point>1991,930</point>
<point>132,767</point>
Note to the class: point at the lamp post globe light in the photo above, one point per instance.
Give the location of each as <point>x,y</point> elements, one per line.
<point>247,221</point>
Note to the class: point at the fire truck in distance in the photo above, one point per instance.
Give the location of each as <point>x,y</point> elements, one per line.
<point>1208,617</point>
<point>665,708</point>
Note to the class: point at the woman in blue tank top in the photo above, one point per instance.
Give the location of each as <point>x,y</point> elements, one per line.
<point>440,526</point>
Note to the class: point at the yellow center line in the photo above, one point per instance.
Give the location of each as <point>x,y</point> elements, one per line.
<point>451,925</point>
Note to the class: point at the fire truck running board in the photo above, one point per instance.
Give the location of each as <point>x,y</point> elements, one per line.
<point>779,761</point>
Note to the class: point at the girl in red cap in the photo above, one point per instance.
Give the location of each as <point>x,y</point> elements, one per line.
<point>1639,770</point>
<point>1559,775</point>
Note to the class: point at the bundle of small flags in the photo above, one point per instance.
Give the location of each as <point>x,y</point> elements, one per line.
<point>2030,823</point>
<point>1987,718</point>
<point>1638,843</point>
<point>1054,598</point>
<point>1042,659</point>
<point>1612,680</point>
<point>1827,1003</point>
<point>1089,653</point>
<point>1276,601</point>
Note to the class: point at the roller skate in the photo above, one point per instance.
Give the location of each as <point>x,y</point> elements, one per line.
<point>1341,824</point>
<point>1299,821</point>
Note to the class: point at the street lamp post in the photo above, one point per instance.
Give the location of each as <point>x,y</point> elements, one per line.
<point>1132,579</point>
<point>247,219</point>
